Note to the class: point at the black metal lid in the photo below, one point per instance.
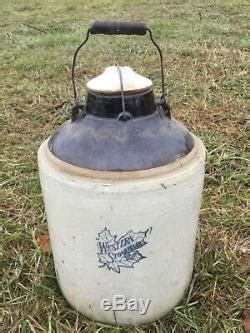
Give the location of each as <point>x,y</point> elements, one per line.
<point>121,127</point>
<point>100,140</point>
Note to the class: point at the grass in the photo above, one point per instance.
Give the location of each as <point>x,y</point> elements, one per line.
<point>205,49</point>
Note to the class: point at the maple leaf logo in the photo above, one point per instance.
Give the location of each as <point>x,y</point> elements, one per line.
<point>114,252</point>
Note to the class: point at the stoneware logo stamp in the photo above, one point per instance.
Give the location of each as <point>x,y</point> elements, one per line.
<point>114,252</point>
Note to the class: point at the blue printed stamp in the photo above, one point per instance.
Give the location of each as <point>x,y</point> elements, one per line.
<point>114,252</point>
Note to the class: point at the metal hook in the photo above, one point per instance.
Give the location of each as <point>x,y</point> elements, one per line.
<point>124,115</point>
<point>161,62</point>
<point>74,64</point>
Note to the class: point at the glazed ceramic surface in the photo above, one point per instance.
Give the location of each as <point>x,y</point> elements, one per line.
<point>123,233</point>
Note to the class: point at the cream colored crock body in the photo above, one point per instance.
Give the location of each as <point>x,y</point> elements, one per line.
<point>163,203</point>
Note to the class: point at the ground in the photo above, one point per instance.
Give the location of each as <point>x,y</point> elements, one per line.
<point>205,56</point>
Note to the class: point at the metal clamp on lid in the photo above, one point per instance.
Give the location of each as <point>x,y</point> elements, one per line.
<point>119,28</point>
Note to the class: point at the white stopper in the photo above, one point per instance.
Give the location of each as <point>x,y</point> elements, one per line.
<point>109,81</point>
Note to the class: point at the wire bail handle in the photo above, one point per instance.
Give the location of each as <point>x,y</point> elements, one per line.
<point>117,28</point>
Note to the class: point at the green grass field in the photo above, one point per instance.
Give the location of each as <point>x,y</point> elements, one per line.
<point>205,49</point>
